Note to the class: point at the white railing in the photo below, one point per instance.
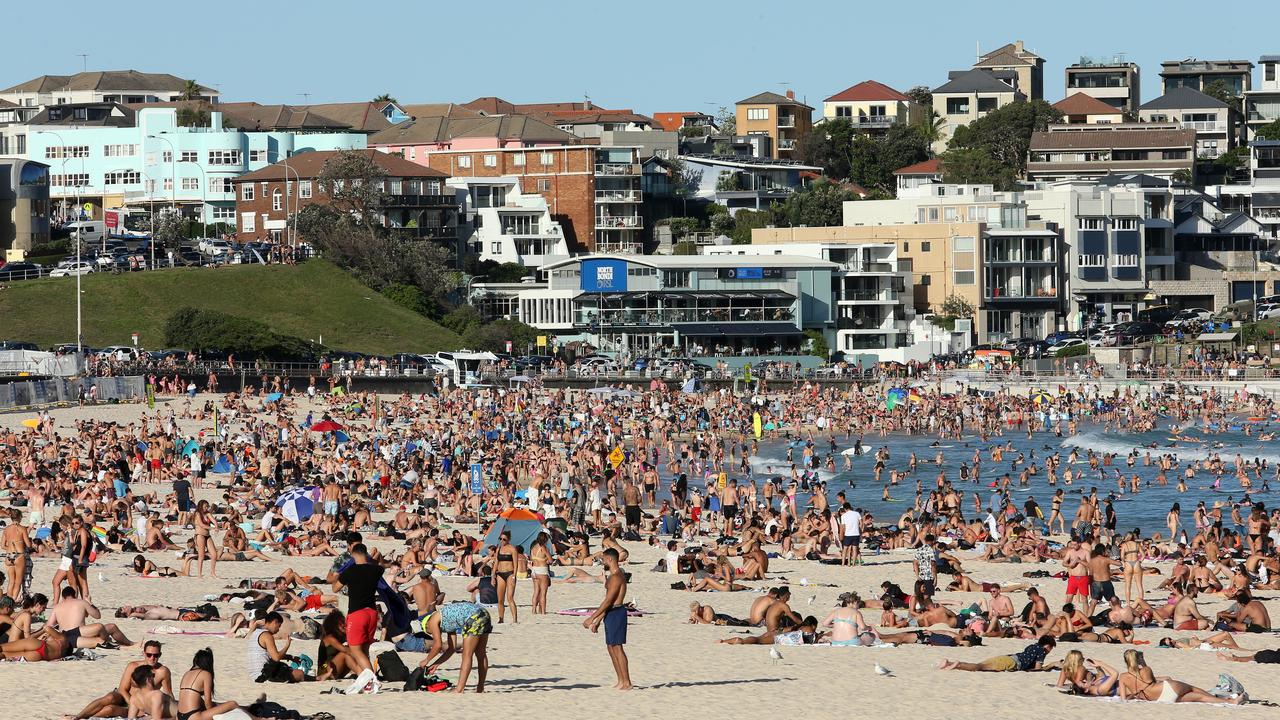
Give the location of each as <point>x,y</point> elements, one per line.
<point>607,196</point>
<point>606,222</point>
<point>786,121</point>
<point>1204,125</point>
<point>617,169</point>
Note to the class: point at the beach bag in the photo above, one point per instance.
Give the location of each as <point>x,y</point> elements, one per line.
<point>365,683</point>
<point>391,668</point>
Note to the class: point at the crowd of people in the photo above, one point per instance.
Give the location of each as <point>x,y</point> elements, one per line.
<point>655,467</point>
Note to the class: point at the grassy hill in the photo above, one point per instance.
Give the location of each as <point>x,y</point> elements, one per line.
<point>314,301</point>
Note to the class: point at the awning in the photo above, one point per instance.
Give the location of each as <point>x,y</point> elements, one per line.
<point>1217,336</point>
<point>740,329</point>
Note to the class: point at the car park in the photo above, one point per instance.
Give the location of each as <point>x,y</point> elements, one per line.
<point>1268,311</point>
<point>18,345</point>
<point>73,269</point>
<point>123,353</point>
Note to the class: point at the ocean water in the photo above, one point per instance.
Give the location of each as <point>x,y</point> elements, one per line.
<point>1145,510</point>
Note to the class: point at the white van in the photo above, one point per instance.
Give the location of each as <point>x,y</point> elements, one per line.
<point>89,231</point>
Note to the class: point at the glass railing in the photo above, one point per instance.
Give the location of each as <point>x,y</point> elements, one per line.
<point>663,316</point>
<point>869,296</point>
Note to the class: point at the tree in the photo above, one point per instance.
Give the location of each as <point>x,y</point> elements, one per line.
<point>408,297</point>
<point>461,319</point>
<point>1270,131</point>
<point>957,306</point>
<point>170,228</point>
<point>385,98</point>
<point>829,146</point>
<point>975,166</point>
<point>682,226</point>
<point>819,205</point>
<point>719,219</point>
<point>845,152</point>
<point>201,329</point>
<point>685,247</point>
<point>1005,133</point>
<point>817,344</point>
<point>494,336</point>
<point>1182,177</point>
<point>192,116</point>
<point>1219,90</point>
<point>921,95</point>
<point>190,91</point>
<point>727,121</point>
<point>354,184</point>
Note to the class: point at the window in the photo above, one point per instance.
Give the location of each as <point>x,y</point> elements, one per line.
<point>962,244</point>
<point>246,191</point>
<point>1269,71</point>
<point>247,222</point>
<point>276,200</point>
<point>189,156</point>
<point>223,213</point>
<point>924,246</point>
<point>122,177</point>
<point>464,161</point>
<point>1125,223</point>
<point>757,113</point>
<point>518,160</point>
<point>71,180</point>
<point>491,160</point>
<point>190,183</point>
<point>976,213</point>
<point>304,188</point>
<point>1092,223</point>
<point>1126,261</point>
<point>1174,155</point>
<point>1090,261</point>
<point>119,150</point>
<point>221,185</point>
<point>257,156</point>
<point>166,156</point>
<point>224,157</point>
<point>548,158</point>
<point>168,184</point>
<point>844,111</point>
<point>962,277</point>
<point>906,246</point>
<point>957,106</point>
<point>951,214</point>
<point>495,248</point>
<point>926,280</point>
<point>70,151</point>
<point>675,278</point>
<point>519,224</point>
<point>544,185</point>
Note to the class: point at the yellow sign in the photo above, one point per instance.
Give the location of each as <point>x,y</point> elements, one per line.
<point>616,457</point>
<point>757,425</point>
<point>88,207</point>
<point>542,341</point>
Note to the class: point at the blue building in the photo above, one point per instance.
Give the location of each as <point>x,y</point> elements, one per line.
<point>154,161</point>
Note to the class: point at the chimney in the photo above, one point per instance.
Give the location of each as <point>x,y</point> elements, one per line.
<point>791,94</point>
<point>587,105</point>
<point>1017,46</point>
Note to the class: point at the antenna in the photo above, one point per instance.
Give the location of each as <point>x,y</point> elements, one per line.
<point>84,61</point>
<point>306,98</point>
<point>977,48</point>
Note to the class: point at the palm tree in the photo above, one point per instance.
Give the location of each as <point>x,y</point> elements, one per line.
<point>190,91</point>
<point>931,126</point>
<point>385,98</point>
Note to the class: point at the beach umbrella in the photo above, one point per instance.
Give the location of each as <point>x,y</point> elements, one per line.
<point>274,397</point>
<point>341,436</point>
<point>523,524</point>
<point>190,447</point>
<point>600,391</point>
<point>31,423</point>
<point>326,426</point>
<point>1041,397</point>
<point>338,390</point>
<point>298,503</point>
<point>222,466</point>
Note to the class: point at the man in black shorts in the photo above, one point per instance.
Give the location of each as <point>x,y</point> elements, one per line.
<point>1267,657</point>
<point>729,506</point>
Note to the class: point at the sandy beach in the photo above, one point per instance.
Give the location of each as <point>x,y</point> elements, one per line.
<point>550,666</point>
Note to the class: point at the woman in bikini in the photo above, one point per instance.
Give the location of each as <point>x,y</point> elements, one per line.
<point>1086,676</point>
<point>195,694</point>
<point>204,540</point>
<point>1140,683</point>
<point>1131,561</point>
<point>540,569</point>
<point>506,559</point>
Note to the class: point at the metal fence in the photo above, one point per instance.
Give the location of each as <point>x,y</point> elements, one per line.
<point>57,391</point>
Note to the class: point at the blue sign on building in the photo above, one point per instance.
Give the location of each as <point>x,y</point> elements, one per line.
<point>604,275</point>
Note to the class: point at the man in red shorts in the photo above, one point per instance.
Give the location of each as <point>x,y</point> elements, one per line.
<point>361,581</point>
<point>1076,559</point>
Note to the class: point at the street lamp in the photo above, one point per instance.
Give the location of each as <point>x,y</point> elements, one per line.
<point>79,270</point>
<point>173,175</point>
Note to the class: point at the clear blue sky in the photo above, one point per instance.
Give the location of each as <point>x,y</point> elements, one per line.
<point>650,56</point>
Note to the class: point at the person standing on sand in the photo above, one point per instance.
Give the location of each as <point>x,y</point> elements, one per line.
<point>613,613</point>
<point>361,581</point>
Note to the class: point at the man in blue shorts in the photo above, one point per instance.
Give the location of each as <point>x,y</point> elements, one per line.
<point>613,613</point>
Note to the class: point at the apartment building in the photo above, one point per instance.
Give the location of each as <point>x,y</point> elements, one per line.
<point>111,86</point>
<point>782,119</point>
<point>967,96</point>
<point>1260,197</point>
<point>24,207</point>
<point>925,172</point>
<point>152,159</point>
<point>1262,106</point>
<point>1088,152</point>
<point>503,223</point>
<point>1109,80</point>
<point>1082,109</point>
<point>1235,75</point>
<point>686,123</point>
<point>1213,121</point>
<point>418,204</point>
<point>1014,59</point>
<point>872,107</point>
<point>738,182</point>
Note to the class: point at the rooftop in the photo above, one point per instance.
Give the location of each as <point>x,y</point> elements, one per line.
<point>748,161</point>
<point>771,98</point>
<point>1081,104</point>
<point>106,81</point>
<point>973,81</point>
<point>1195,66</point>
<point>932,166</point>
<point>1116,136</point>
<point>703,261</point>
<point>310,164</point>
<point>1182,98</point>
<point>438,129</point>
<point>868,90</point>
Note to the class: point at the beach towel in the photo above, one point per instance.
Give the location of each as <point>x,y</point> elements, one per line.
<point>585,611</point>
<point>171,630</point>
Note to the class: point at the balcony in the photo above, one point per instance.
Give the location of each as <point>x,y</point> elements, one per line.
<point>857,266</point>
<point>619,222</point>
<point>1018,294</point>
<point>1204,125</point>
<point>786,121</point>
<point>868,296</point>
<point>617,169</point>
<point>1018,258</point>
<point>428,232</point>
<point>786,144</point>
<point>875,121</point>
<point>618,196</point>
<point>662,316</point>
<point>421,201</point>
<point>618,247</point>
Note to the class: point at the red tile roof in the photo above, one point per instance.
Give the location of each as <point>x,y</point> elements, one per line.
<point>867,90</point>
<point>673,121</point>
<point>1081,104</point>
<point>308,165</point>
<point>932,166</point>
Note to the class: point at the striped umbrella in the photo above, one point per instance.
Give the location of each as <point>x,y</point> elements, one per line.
<point>298,503</point>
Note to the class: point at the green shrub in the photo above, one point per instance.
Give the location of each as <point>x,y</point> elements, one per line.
<point>198,329</point>
<point>817,343</point>
<point>1073,351</point>
<point>408,297</point>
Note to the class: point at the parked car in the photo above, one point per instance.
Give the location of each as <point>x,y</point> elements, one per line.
<point>18,345</point>
<point>1135,332</point>
<point>596,364</point>
<point>1268,312</point>
<point>124,353</point>
<point>1065,344</point>
<point>1054,338</point>
<point>215,248</point>
<point>178,354</point>
<point>1189,315</point>
<point>75,268</point>
<point>19,271</point>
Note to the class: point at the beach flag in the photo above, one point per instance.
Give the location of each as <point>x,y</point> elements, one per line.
<point>915,396</point>
<point>215,421</point>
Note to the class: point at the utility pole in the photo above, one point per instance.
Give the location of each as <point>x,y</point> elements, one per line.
<point>84,62</point>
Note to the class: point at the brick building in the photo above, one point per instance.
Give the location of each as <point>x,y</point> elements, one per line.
<point>418,202</point>
<point>593,192</point>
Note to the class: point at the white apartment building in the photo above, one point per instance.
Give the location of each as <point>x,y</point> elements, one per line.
<point>506,225</point>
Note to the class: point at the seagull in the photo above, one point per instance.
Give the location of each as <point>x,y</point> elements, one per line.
<point>102,578</point>
<point>812,598</point>
<point>773,653</point>
<point>882,670</point>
